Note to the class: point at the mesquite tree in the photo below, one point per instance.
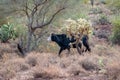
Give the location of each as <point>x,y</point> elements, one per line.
<point>39,14</point>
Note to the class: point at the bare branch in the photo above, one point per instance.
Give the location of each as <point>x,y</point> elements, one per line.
<point>45,12</point>
<point>36,7</point>
<point>26,10</point>
<point>51,19</point>
<point>26,6</point>
<point>34,12</point>
<point>40,14</point>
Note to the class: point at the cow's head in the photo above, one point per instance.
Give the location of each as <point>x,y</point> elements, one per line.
<point>51,37</point>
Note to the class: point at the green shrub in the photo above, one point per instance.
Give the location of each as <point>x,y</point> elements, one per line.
<point>114,5</point>
<point>103,1</point>
<point>96,11</point>
<point>103,20</point>
<point>3,21</point>
<point>115,38</point>
<point>7,31</point>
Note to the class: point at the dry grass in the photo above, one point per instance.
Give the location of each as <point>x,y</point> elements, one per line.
<point>11,67</point>
<point>90,64</point>
<point>101,63</point>
<point>113,71</point>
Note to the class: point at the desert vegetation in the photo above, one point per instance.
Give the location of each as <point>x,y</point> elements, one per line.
<point>28,23</point>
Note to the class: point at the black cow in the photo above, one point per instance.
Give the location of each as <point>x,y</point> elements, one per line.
<point>64,42</point>
<point>85,43</point>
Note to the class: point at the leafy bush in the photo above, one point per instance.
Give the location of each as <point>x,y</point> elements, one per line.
<point>7,31</point>
<point>115,38</point>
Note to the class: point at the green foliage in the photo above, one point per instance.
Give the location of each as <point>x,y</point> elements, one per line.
<point>103,1</point>
<point>7,31</point>
<point>3,21</point>
<point>114,5</point>
<point>115,38</point>
<point>96,10</point>
<point>103,20</point>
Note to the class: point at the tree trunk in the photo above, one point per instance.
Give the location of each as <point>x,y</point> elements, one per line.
<point>29,40</point>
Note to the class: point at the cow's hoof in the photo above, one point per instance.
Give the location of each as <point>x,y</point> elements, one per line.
<point>82,54</point>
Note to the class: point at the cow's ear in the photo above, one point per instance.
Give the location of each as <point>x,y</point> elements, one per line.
<point>52,34</point>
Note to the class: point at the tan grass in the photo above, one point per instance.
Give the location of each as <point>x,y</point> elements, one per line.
<point>113,71</point>
<point>103,59</point>
<point>11,67</point>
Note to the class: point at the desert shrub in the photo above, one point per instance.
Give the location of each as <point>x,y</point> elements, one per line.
<point>49,73</point>
<point>113,72</point>
<point>102,34</point>
<point>103,20</point>
<point>75,69</point>
<point>3,21</point>
<point>115,38</point>
<point>103,1</point>
<point>90,64</point>
<point>11,67</point>
<point>96,10</point>
<point>31,60</point>
<point>7,31</point>
<point>114,5</point>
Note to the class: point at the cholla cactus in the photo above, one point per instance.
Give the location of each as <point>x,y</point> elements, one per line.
<point>83,25</point>
<point>71,26</point>
<point>79,26</point>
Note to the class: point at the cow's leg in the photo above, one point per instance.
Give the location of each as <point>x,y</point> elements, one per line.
<point>86,44</point>
<point>88,49</point>
<point>68,50</point>
<point>61,49</point>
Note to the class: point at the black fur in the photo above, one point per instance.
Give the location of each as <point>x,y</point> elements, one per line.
<point>85,43</point>
<point>20,49</point>
<point>63,41</point>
